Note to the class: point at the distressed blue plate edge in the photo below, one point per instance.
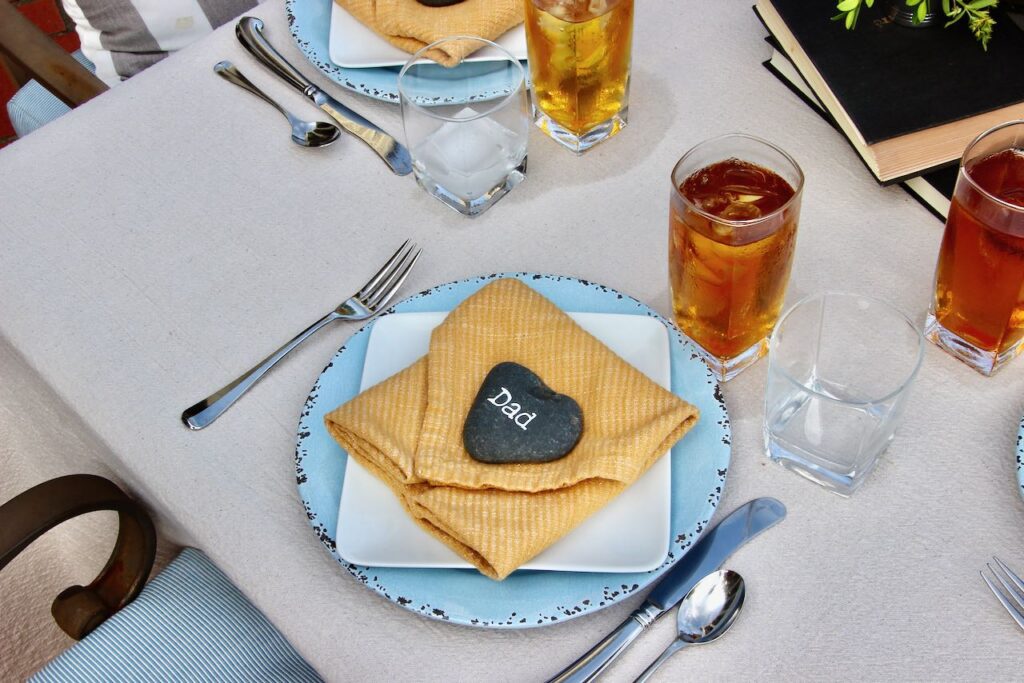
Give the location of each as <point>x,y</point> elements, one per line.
<point>1020,458</point>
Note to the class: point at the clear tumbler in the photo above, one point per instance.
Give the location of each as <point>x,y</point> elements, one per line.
<point>466,128</point>
<point>840,368</point>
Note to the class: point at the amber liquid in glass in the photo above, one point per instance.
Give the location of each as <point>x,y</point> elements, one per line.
<point>979,280</point>
<point>579,59</point>
<point>729,277</point>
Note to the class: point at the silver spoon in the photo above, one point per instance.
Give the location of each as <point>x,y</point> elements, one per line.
<point>305,133</point>
<point>706,613</point>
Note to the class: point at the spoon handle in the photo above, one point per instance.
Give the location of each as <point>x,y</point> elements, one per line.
<point>675,646</point>
<point>229,72</point>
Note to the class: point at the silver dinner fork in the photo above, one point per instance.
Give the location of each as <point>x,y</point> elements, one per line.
<point>367,302</point>
<point>1012,598</point>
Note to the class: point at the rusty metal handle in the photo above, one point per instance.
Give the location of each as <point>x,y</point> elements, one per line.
<point>26,517</point>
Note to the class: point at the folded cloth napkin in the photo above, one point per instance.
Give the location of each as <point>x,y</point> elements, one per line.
<point>410,26</point>
<point>407,430</point>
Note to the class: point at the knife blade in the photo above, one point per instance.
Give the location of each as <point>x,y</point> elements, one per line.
<point>710,551</point>
<point>249,31</point>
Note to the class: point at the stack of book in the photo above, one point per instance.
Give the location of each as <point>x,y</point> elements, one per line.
<point>908,100</point>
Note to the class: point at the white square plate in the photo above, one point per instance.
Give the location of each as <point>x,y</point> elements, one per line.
<point>353,45</point>
<point>630,534</point>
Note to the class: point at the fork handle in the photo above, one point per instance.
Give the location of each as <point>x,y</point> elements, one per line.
<point>210,408</point>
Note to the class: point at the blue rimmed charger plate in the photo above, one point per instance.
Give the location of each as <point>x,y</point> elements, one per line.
<point>526,598</point>
<point>1020,457</point>
<point>310,24</point>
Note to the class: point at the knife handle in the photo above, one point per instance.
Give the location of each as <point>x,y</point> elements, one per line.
<point>249,33</point>
<point>589,666</point>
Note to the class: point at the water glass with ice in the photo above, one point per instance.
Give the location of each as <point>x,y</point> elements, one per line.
<point>840,367</point>
<point>466,127</point>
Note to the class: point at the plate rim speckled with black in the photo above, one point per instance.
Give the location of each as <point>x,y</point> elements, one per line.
<point>1020,457</point>
<point>465,596</point>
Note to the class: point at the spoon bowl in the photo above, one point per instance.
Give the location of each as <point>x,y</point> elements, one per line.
<point>705,614</point>
<point>313,133</point>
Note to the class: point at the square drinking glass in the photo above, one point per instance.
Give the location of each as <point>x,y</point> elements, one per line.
<point>977,308</point>
<point>466,128</point>
<point>580,53</point>
<point>840,367</point>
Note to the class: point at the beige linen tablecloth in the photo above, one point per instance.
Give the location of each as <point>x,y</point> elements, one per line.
<point>166,235</point>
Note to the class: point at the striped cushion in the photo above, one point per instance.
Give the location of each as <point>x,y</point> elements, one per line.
<point>189,624</point>
<point>123,37</point>
<point>33,106</point>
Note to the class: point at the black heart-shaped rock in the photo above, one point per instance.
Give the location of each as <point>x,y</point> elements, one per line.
<point>516,418</point>
<point>438,3</point>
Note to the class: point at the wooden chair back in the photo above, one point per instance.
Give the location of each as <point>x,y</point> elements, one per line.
<point>29,53</point>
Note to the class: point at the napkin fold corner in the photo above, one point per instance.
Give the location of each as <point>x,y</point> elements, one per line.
<point>410,26</point>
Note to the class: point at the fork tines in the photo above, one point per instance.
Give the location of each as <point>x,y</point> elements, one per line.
<point>382,286</point>
<point>1012,595</point>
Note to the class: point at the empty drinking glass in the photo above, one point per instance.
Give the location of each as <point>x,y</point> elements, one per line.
<point>466,127</point>
<point>839,370</point>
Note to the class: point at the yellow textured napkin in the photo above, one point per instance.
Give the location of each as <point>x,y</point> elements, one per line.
<point>407,430</point>
<point>410,26</point>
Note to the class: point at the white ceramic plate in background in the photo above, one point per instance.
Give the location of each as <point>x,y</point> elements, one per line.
<point>354,46</point>
<point>630,534</point>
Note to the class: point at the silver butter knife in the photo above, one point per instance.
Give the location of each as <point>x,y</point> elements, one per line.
<point>711,550</point>
<point>250,33</point>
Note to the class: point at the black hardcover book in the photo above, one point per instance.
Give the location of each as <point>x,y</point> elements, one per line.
<point>909,99</point>
<point>934,189</point>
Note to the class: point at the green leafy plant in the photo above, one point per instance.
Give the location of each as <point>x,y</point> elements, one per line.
<point>979,19</point>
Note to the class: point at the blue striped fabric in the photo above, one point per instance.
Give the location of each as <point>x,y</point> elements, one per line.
<point>33,106</point>
<point>189,624</point>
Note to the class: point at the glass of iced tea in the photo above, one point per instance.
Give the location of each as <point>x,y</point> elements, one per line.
<point>977,313</point>
<point>733,216</point>
<point>579,54</point>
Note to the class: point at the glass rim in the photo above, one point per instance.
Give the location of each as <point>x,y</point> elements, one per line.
<point>904,384</point>
<point>496,105</point>
<point>963,165</point>
<point>797,191</point>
